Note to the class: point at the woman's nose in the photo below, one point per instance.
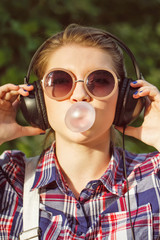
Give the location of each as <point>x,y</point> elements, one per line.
<point>79,93</point>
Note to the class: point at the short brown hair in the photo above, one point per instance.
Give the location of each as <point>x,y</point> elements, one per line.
<point>84,36</point>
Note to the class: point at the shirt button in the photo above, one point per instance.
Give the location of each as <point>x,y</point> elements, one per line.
<point>79,233</point>
<point>78,205</point>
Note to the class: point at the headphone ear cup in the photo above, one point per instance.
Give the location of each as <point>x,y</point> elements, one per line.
<point>121,95</point>
<point>33,107</point>
<point>41,105</point>
<point>128,108</point>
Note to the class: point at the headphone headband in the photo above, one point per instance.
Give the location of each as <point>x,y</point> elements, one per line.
<point>27,77</point>
<point>116,39</point>
<point>129,53</point>
<point>127,108</point>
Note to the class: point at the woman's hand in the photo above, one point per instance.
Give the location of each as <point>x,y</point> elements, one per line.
<point>9,128</point>
<point>149,131</point>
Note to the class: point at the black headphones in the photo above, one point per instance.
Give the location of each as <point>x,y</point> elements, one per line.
<point>127,109</point>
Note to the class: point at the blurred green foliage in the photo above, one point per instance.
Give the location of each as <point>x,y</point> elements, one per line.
<point>26,24</point>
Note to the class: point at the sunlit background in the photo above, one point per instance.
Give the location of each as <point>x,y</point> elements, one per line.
<point>25,24</point>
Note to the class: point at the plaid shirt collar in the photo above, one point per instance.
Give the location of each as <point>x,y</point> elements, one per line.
<point>48,171</point>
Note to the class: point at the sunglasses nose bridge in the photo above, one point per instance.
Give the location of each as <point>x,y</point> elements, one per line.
<point>79,80</point>
<point>79,93</point>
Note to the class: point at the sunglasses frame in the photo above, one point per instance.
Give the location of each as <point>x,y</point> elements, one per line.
<point>75,80</point>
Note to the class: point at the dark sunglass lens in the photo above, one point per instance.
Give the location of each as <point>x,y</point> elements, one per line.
<point>100,83</point>
<point>58,83</point>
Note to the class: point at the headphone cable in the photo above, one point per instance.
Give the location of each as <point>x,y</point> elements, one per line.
<point>127,184</point>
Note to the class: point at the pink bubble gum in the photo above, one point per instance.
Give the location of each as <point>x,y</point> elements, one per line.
<point>80,117</point>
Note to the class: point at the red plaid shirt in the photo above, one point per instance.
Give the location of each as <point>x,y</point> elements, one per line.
<point>101,212</point>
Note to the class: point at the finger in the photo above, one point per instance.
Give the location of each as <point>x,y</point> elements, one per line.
<point>26,87</point>
<point>22,90</point>
<point>151,91</point>
<point>8,88</point>
<point>30,131</point>
<point>140,83</point>
<point>9,92</point>
<point>11,96</point>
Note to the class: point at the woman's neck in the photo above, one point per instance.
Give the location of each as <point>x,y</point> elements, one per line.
<point>81,163</point>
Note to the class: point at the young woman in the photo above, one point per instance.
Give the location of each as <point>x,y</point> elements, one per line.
<point>80,177</point>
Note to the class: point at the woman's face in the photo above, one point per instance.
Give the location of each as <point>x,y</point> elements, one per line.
<point>80,60</point>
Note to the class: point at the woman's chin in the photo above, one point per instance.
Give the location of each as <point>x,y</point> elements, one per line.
<point>87,137</point>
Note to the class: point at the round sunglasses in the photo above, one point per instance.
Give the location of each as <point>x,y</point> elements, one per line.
<point>100,84</point>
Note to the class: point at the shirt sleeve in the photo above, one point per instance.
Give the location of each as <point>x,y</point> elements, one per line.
<point>12,168</point>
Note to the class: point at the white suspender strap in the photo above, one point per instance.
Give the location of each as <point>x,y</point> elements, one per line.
<point>30,203</point>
